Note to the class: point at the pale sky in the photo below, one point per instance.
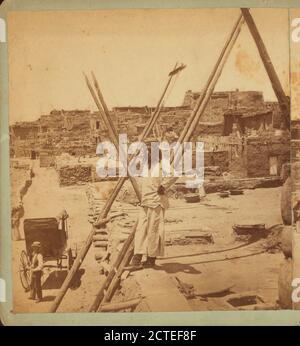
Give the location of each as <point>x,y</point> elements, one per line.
<point>295,73</point>
<point>131,53</point>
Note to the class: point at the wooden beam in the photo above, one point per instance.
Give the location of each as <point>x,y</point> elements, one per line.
<point>110,277</point>
<point>236,27</point>
<point>104,113</point>
<point>129,304</point>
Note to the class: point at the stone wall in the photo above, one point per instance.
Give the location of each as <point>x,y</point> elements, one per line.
<point>74,174</point>
<point>209,129</point>
<point>218,158</point>
<point>222,101</point>
<point>295,150</point>
<point>80,173</point>
<point>261,149</point>
<point>67,131</point>
<point>47,159</point>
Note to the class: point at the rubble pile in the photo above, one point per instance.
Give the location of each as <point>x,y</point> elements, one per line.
<point>74,174</point>
<point>189,237</point>
<point>223,184</point>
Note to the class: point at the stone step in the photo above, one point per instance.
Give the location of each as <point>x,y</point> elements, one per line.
<point>160,292</point>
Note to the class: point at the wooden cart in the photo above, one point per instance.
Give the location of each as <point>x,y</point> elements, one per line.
<point>53,235</point>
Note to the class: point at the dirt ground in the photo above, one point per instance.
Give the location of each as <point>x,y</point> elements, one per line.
<point>246,268</point>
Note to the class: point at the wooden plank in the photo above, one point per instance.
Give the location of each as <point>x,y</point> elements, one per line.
<point>117,277</point>
<point>129,304</point>
<point>101,292</point>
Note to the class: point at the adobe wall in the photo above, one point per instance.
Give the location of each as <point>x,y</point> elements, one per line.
<point>259,151</point>
<point>74,174</point>
<point>217,158</point>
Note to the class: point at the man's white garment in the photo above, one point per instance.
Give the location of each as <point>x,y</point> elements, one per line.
<point>150,234</point>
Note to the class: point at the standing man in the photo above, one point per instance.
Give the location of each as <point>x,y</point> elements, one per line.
<point>36,272</point>
<point>149,236</point>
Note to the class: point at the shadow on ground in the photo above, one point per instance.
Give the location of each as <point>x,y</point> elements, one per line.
<point>177,267</point>
<point>48,298</point>
<point>57,277</point>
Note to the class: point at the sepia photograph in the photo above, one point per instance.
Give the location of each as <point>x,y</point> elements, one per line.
<point>295,150</point>
<point>150,160</point>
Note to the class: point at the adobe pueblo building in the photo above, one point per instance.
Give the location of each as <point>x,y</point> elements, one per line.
<point>243,135</point>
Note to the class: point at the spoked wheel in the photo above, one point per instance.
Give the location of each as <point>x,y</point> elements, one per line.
<point>24,270</point>
<point>70,258</point>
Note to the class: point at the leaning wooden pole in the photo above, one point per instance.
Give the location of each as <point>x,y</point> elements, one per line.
<point>190,126</point>
<point>129,304</point>
<point>265,57</point>
<point>210,89</point>
<point>236,26</point>
<point>111,128</point>
<point>104,212</point>
<point>147,130</point>
<point>113,272</point>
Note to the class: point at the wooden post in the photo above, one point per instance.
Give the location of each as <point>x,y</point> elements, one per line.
<point>129,304</point>
<point>117,277</point>
<point>278,90</point>
<point>100,294</point>
<point>210,88</point>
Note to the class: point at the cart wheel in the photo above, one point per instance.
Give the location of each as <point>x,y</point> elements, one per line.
<point>74,252</point>
<point>24,270</point>
<point>70,258</point>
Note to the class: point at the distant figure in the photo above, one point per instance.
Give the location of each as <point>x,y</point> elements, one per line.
<point>16,214</point>
<point>36,272</point>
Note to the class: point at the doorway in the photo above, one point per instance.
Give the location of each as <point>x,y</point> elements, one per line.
<point>273,163</point>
